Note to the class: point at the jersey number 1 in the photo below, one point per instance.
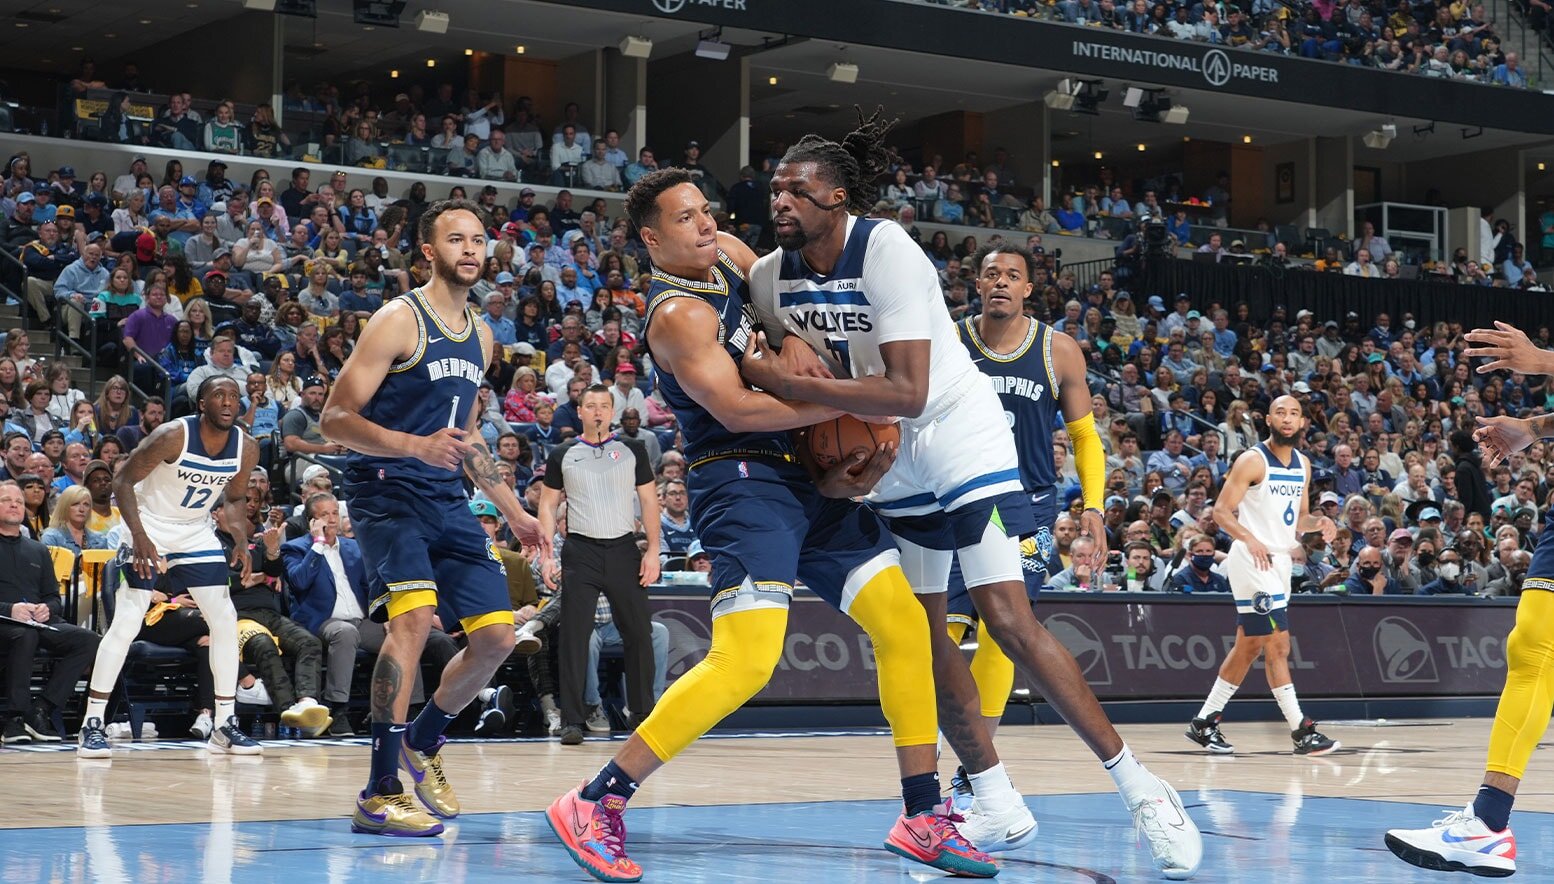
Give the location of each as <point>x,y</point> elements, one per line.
<point>453,414</point>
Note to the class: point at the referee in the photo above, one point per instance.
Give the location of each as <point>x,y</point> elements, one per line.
<point>599,471</point>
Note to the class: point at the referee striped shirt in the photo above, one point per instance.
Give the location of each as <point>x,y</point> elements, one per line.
<point>601,484</point>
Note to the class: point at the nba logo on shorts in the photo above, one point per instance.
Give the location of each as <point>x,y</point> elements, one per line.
<point>744,470</point>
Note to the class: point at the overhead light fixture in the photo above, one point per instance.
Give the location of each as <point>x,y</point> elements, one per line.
<point>636,47</point>
<point>431,22</point>
<point>1055,164</point>
<point>1142,148</point>
<point>1176,116</point>
<point>710,45</point>
<point>771,81</point>
<point>520,49</point>
<point>377,13</point>
<point>1062,97</point>
<point>842,72</point>
<point>1153,106</point>
<point>394,74</point>
<point>1540,167</point>
<point>1097,154</point>
<point>1379,139</point>
<point>469,52</point>
<point>1079,96</point>
<point>1246,139</point>
<point>431,62</point>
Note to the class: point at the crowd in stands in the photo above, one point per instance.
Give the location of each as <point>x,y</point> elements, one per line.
<point>194,275</point>
<point>1455,40</point>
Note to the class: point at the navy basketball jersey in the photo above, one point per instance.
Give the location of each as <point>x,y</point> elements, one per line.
<point>727,293</point>
<point>1027,385</point>
<point>436,387</point>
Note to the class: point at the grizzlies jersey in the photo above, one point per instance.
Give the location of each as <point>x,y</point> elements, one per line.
<point>1027,384</point>
<point>187,489</point>
<point>728,294</point>
<point>436,387</point>
<point>1271,508</point>
<point>882,289</point>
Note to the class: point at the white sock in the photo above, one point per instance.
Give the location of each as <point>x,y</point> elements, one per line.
<point>486,694</point>
<point>96,708</point>
<point>1290,706</point>
<point>224,709</point>
<point>1132,779</point>
<point>992,787</point>
<point>1218,698</point>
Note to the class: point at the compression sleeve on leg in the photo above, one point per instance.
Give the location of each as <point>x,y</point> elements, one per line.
<point>1525,704</point>
<point>746,646</point>
<point>1089,460</point>
<point>130,606</point>
<point>898,627</point>
<point>956,630</point>
<point>994,674</point>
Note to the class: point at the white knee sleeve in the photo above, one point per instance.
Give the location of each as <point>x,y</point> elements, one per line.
<point>130,607</point>
<point>216,606</point>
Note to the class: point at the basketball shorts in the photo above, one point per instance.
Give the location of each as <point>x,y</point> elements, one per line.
<point>422,547</point>
<point>1038,560</point>
<point>1540,573</point>
<point>765,525</point>
<point>1261,596</point>
<point>193,554</point>
<point>955,488</point>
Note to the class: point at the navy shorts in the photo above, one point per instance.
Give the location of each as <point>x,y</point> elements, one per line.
<point>765,525</point>
<point>1037,552</point>
<point>1253,623</point>
<point>1540,574</point>
<point>422,546</point>
<point>180,577</point>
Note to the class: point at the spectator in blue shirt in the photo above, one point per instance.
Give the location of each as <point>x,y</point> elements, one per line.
<point>1069,219</point>
<point>1369,577</point>
<point>1172,463</point>
<point>1224,338</point>
<point>1180,228</point>
<point>571,291</point>
<point>1199,575</point>
<point>358,297</point>
<point>1515,267</point>
<point>503,330</point>
<point>949,210</point>
<point>1509,73</point>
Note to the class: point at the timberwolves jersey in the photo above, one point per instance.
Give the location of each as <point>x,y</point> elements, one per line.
<point>1027,385</point>
<point>728,294</point>
<point>187,489</point>
<point>1271,508</point>
<point>436,387</point>
<point>882,289</point>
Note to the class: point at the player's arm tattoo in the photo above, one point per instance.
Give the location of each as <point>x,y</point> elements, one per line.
<point>386,679</point>
<point>481,466</point>
<point>1542,425</point>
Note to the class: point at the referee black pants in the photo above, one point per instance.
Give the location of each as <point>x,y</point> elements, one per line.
<point>589,567</point>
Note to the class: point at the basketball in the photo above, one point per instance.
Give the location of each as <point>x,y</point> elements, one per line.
<point>833,441</point>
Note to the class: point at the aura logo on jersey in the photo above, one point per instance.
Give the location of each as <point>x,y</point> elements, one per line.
<point>1083,642</point>
<point>1402,653</point>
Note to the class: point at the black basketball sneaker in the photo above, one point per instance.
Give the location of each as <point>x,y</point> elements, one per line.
<point>1309,742</point>
<point>1205,732</point>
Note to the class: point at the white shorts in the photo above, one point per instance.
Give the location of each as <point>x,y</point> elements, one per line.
<point>955,489</point>
<point>194,556</point>
<point>1257,591</point>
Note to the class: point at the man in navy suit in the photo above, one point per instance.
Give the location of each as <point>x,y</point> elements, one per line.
<point>328,587</point>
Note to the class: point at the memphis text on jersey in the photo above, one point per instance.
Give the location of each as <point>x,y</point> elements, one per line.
<point>1015,386</point>
<point>452,366</point>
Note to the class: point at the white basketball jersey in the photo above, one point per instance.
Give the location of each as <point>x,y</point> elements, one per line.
<point>187,489</point>
<point>882,289</point>
<point>1271,508</point>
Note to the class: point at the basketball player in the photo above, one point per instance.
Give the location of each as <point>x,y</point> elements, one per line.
<point>1478,838</point>
<point>1271,486</point>
<point>1036,373</point>
<point>166,492</point>
<point>764,522</point>
<point>405,406</point>
<point>863,294</point>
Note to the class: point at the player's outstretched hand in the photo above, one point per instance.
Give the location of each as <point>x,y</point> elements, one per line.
<point>859,473</point>
<point>444,449</point>
<point>1499,437</point>
<point>761,366</point>
<point>1507,347</point>
<point>1259,554</point>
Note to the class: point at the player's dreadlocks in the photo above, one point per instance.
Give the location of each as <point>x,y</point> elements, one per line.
<point>856,164</point>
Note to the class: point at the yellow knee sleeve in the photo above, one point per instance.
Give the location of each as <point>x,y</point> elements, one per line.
<point>746,646</point>
<point>994,673</point>
<point>898,627</point>
<point>957,631</point>
<point>1525,704</point>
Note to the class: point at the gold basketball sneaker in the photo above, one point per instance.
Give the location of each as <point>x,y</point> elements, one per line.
<point>392,814</point>
<point>430,784</point>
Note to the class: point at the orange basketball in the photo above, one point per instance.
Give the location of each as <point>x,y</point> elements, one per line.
<point>834,441</point>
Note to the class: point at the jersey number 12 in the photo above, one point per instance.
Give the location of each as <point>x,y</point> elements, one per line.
<point>195,497</point>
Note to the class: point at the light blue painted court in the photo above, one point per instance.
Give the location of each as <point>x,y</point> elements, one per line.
<point>1248,836</point>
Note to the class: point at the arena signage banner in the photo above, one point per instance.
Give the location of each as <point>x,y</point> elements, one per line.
<point>1145,646</point>
<point>1064,49</point>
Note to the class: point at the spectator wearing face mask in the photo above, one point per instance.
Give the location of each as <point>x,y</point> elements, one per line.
<point>1199,574</point>
<point>1450,577</point>
<point>1369,577</point>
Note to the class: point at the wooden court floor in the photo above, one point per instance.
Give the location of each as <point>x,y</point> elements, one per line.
<point>1437,762</point>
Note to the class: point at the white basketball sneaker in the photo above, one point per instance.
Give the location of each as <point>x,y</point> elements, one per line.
<point>1174,841</point>
<point>994,830</point>
<point>1459,842</point>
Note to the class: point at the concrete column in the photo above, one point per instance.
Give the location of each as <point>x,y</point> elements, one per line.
<point>1334,198</point>
<point>625,99</point>
<point>718,118</point>
<point>1023,130</point>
